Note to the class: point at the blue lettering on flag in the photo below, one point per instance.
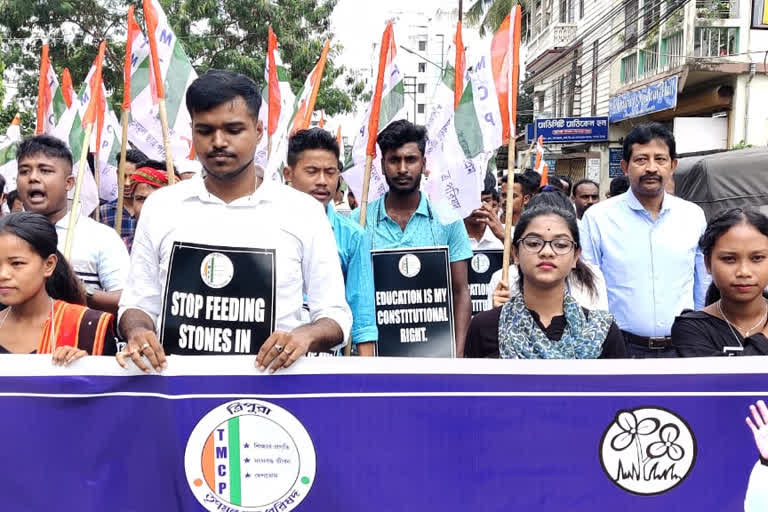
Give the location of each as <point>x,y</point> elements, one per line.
<point>221,452</point>
<point>134,59</point>
<point>222,470</point>
<point>222,486</point>
<point>221,433</point>
<point>483,92</point>
<point>489,117</point>
<point>166,37</point>
<point>481,64</point>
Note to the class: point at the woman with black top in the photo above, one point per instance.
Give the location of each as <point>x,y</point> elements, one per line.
<point>543,321</point>
<point>735,248</point>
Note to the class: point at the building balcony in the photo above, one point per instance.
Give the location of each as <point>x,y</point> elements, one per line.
<point>551,39</point>
<point>674,50</point>
<point>717,9</point>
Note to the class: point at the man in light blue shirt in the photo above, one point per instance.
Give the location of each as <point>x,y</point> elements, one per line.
<point>646,244</point>
<point>313,167</point>
<point>404,217</point>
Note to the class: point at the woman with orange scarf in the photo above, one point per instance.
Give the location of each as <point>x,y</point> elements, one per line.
<point>45,312</point>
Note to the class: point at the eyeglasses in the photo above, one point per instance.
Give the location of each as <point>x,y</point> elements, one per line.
<point>560,246</point>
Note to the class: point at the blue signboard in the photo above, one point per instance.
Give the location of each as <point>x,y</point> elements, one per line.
<point>655,97</point>
<point>572,129</point>
<point>213,434</point>
<point>530,133</point>
<point>614,162</point>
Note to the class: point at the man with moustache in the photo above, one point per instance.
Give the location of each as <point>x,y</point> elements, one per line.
<point>405,218</point>
<point>233,207</point>
<point>585,194</point>
<point>645,242</point>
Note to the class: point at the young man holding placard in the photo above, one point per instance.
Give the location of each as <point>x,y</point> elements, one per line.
<point>237,254</point>
<point>404,218</point>
<point>313,157</point>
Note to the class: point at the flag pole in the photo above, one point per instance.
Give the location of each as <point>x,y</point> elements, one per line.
<point>97,179</point>
<point>269,146</point>
<point>363,213</point>
<point>74,213</point>
<point>513,76</point>
<point>121,174</point>
<point>166,143</point>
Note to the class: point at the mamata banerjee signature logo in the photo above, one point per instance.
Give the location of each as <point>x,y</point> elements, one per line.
<point>249,456</point>
<point>647,450</point>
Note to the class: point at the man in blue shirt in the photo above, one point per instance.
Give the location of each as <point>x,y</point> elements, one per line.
<point>405,218</point>
<point>313,167</point>
<point>646,244</point>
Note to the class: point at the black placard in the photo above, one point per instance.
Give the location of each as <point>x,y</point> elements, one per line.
<point>218,300</point>
<point>481,268</point>
<point>414,302</point>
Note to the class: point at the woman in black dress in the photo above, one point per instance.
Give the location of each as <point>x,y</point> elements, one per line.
<point>735,247</point>
<point>543,321</point>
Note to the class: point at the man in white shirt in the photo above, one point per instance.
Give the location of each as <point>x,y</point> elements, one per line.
<point>234,207</point>
<point>99,256</point>
<point>484,228</point>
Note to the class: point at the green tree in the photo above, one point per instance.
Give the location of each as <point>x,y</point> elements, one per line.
<point>229,34</point>
<point>488,20</point>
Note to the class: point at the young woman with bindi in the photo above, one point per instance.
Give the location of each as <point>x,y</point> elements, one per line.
<point>543,320</point>
<point>44,298</point>
<point>735,321</point>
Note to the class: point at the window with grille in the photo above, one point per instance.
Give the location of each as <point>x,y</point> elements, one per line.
<point>629,68</point>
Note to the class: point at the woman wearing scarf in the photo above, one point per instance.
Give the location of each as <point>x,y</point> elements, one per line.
<point>543,321</point>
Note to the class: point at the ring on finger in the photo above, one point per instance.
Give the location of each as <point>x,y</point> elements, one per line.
<point>279,348</point>
<point>144,346</point>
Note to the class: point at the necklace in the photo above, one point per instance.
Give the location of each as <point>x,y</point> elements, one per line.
<point>762,321</point>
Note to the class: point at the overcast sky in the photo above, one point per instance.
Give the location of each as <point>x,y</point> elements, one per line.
<point>357,24</point>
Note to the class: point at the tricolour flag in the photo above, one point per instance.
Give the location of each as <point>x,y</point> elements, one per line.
<point>305,104</point>
<point>387,105</point>
<point>276,112</point>
<point>540,165</point>
<point>50,101</point>
<point>301,115</point>
<point>67,91</point>
<point>86,109</point>
<point>461,142</point>
<point>163,56</point>
<point>505,52</point>
<point>8,142</point>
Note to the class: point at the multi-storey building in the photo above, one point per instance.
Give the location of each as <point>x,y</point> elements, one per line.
<point>697,65</point>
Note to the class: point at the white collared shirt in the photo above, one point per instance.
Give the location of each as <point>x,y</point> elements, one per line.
<point>273,217</point>
<point>99,257</point>
<point>488,241</point>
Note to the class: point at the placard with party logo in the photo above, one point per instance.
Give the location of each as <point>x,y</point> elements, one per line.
<point>414,302</point>
<point>482,266</point>
<point>218,300</point>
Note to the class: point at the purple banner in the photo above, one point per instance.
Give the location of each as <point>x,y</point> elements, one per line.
<point>379,435</point>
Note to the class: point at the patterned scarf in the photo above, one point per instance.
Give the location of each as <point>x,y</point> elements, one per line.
<point>521,338</point>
